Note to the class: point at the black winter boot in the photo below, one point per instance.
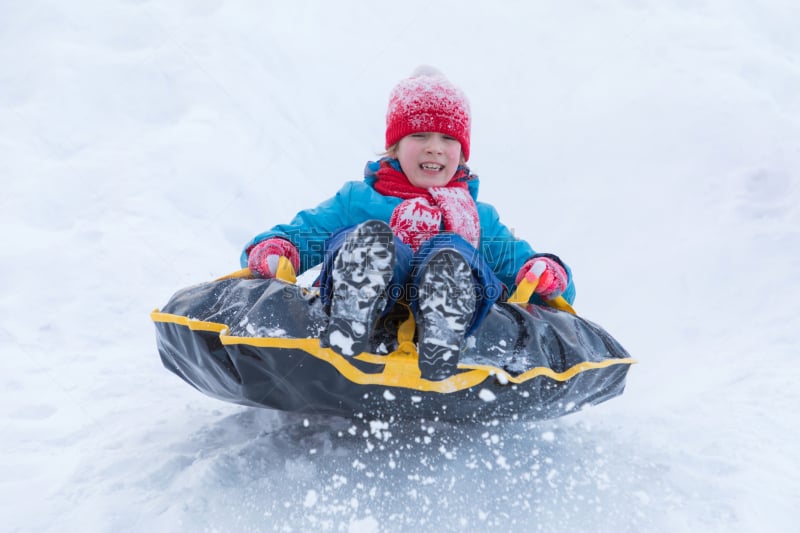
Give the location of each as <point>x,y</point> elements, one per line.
<point>361,272</point>
<point>446,306</point>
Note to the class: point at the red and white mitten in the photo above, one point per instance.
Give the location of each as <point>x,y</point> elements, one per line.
<point>552,276</point>
<point>415,221</point>
<point>263,257</point>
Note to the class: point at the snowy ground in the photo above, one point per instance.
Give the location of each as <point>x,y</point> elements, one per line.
<point>655,145</point>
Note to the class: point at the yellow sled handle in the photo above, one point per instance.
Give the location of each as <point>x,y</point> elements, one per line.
<point>562,305</point>
<point>243,273</point>
<point>525,290</point>
<point>285,272</point>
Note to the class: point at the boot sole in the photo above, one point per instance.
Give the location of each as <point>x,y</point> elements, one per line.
<point>446,306</point>
<point>361,273</point>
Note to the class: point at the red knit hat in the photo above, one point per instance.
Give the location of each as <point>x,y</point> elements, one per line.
<point>427,101</point>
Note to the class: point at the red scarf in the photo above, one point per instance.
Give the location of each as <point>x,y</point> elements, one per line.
<point>424,211</point>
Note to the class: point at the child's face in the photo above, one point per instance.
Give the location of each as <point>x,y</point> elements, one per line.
<point>429,159</point>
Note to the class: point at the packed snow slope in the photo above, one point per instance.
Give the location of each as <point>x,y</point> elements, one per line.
<point>654,145</point>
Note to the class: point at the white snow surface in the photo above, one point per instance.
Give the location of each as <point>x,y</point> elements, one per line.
<point>653,145</point>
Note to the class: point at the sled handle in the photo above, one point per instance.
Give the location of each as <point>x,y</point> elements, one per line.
<point>243,273</point>
<point>560,303</point>
<point>285,272</point>
<point>525,290</point>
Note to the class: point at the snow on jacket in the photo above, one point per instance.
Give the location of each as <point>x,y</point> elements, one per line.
<point>358,201</point>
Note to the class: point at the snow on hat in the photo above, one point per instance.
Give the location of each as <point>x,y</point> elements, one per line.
<point>427,101</point>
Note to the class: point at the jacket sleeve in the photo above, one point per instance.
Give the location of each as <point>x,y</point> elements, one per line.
<point>310,228</point>
<point>506,254</point>
<point>355,202</point>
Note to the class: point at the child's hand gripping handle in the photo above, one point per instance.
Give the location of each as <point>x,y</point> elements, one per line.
<point>529,282</point>
<point>272,258</point>
<point>284,271</point>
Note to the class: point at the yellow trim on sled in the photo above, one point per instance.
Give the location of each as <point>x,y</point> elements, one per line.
<point>400,367</point>
<point>191,323</point>
<point>566,375</point>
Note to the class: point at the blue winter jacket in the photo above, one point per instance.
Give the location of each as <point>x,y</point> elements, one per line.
<point>358,201</point>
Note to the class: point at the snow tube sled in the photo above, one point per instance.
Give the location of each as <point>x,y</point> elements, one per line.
<point>256,342</point>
